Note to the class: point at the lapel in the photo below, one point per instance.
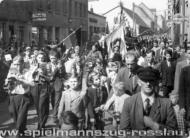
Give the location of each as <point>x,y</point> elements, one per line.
<point>165,65</point>
<point>155,110</point>
<point>139,112</point>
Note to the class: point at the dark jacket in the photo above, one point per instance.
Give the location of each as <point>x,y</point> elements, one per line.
<point>131,86</point>
<point>161,112</point>
<point>167,73</point>
<point>93,100</point>
<point>184,93</point>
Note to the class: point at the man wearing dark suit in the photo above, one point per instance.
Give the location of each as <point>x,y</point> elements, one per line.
<point>127,74</point>
<point>145,110</point>
<point>150,60</point>
<point>167,70</point>
<point>184,93</point>
<point>182,62</point>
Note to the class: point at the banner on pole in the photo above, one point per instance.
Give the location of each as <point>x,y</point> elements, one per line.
<point>72,39</point>
<point>116,34</point>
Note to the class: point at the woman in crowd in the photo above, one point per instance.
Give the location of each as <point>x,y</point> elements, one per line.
<point>94,53</point>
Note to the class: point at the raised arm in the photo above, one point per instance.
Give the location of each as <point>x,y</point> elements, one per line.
<point>61,105</point>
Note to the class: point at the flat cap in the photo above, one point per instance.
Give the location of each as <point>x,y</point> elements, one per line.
<point>174,93</point>
<point>148,74</point>
<point>28,48</point>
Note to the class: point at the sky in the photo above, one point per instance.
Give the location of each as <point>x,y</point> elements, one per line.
<point>102,6</point>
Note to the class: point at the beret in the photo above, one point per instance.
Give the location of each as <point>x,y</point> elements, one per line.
<point>148,74</point>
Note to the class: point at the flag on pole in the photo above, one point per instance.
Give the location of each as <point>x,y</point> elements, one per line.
<point>72,39</point>
<point>21,0</point>
<point>117,33</point>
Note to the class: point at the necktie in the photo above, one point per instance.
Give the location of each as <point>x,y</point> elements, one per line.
<point>147,106</point>
<point>98,97</point>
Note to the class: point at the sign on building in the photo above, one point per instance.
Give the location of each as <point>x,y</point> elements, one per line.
<point>39,16</point>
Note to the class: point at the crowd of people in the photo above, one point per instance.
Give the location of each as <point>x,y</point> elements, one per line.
<point>147,88</point>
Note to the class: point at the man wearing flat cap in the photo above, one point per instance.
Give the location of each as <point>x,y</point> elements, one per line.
<point>145,110</point>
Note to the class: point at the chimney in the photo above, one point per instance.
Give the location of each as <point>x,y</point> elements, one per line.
<point>92,10</point>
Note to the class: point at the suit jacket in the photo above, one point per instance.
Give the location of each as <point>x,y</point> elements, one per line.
<point>161,112</point>
<point>184,93</point>
<point>179,67</point>
<point>167,73</point>
<point>72,101</point>
<point>131,85</point>
<point>157,53</point>
<point>93,100</point>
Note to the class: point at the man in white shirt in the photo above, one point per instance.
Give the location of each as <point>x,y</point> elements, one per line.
<point>18,87</point>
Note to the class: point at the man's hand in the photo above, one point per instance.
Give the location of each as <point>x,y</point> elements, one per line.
<point>92,120</point>
<point>150,123</point>
<point>97,109</point>
<point>182,111</point>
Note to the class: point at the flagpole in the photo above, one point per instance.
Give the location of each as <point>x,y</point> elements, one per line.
<point>68,36</point>
<point>133,18</point>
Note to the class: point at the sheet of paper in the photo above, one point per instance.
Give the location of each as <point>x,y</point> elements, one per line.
<point>8,57</point>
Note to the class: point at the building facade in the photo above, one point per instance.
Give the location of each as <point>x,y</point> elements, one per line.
<point>96,25</point>
<point>187,19</point>
<point>179,20</point>
<point>42,21</point>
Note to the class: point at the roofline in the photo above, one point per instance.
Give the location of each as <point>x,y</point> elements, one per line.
<point>96,14</point>
<point>137,16</point>
<point>111,10</point>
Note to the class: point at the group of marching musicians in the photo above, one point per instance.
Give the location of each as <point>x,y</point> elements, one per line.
<point>57,77</point>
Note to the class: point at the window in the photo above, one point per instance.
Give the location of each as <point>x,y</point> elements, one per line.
<point>186,3</point>
<point>80,9</point>
<point>76,8</point>
<point>85,12</point>
<point>64,7</point>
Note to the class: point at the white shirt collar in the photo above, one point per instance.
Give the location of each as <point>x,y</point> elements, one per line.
<point>144,97</point>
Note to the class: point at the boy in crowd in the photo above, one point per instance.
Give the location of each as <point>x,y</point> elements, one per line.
<point>117,99</point>
<point>96,97</point>
<point>180,113</point>
<point>72,100</point>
